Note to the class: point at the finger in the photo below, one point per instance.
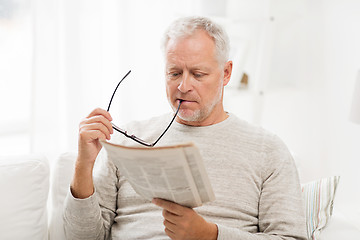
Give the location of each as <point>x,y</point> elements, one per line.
<point>169,206</point>
<point>169,225</point>
<point>97,127</point>
<point>96,135</point>
<point>170,233</point>
<point>100,111</point>
<point>169,216</point>
<point>98,119</point>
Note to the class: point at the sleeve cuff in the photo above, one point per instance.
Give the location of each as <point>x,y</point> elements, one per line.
<point>82,211</point>
<point>225,233</point>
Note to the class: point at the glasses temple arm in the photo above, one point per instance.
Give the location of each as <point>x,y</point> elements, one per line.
<point>108,108</point>
<point>169,124</point>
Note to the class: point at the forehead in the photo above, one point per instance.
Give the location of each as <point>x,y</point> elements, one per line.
<point>198,47</point>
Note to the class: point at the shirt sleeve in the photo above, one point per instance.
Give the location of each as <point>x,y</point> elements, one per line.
<point>91,218</point>
<point>281,208</point>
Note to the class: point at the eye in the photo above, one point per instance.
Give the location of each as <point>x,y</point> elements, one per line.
<point>198,74</point>
<point>174,75</point>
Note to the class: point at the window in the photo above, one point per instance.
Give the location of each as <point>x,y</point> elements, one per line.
<point>15,75</point>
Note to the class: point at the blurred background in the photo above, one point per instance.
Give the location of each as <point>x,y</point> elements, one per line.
<point>296,64</point>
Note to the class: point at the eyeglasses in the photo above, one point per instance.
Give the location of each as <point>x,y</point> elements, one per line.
<point>133,137</point>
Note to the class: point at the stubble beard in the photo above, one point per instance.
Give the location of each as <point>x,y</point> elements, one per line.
<point>200,114</point>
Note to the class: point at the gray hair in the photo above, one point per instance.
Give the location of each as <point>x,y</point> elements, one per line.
<point>184,27</point>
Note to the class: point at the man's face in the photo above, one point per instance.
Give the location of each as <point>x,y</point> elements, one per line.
<point>193,74</point>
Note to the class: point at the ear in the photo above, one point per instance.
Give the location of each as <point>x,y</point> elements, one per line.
<point>227,72</point>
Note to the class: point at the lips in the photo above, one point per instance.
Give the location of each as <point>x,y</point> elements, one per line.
<point>184,100</point>
<point>186,104</point>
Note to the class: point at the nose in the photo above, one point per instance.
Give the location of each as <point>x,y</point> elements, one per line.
<point>185,84</point>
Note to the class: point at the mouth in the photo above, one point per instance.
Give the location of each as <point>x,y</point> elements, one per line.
<point>185,103</point>
<point>180,100</point>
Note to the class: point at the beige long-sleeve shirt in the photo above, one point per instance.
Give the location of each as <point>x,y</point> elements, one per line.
<point>251,171</point>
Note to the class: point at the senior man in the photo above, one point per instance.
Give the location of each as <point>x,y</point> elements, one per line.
<point>252,173</point>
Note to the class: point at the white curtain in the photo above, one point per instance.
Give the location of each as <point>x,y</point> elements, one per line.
<point>16,40</point>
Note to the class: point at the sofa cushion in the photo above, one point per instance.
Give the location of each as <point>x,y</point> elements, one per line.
<point>24,187</point>
<point>62,172</point>
<point>319,200</point>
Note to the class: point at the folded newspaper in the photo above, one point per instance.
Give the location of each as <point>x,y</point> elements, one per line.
<point>175,173</point>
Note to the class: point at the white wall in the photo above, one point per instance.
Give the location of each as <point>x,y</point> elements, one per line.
<point>313,65</point>
<point>342,58</point>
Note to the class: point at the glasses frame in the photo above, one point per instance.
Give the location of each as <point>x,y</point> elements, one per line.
<point>133,137</point>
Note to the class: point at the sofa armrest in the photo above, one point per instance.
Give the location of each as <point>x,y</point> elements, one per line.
<point>341,226</point>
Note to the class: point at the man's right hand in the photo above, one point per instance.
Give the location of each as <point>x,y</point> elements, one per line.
<point>95,127</point>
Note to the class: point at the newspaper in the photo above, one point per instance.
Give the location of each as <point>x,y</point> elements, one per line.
<point>175,173</point>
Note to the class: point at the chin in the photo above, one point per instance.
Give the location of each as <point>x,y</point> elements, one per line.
<point>189,116</point>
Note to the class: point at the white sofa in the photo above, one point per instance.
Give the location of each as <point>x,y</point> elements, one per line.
<point>30,209</point>
<point>33,195</point>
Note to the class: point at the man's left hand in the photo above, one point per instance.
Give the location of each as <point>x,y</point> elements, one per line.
<point>184,223</point>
